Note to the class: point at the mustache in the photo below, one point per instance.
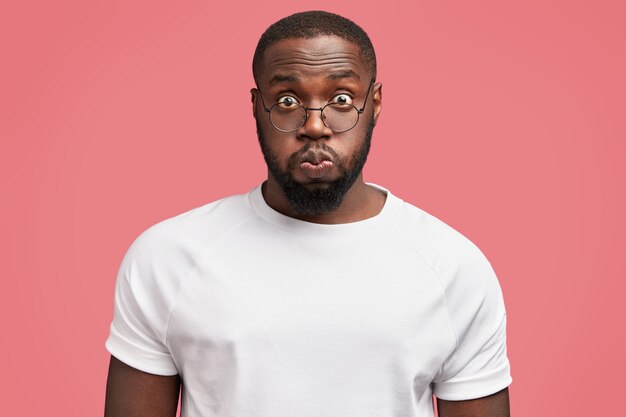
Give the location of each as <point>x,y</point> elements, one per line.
<point>314,152</point>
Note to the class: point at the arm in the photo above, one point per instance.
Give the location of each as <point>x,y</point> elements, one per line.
<point>133,393</point>
<point>495,405</point>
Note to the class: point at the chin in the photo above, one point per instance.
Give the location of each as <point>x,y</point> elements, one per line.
<point>315,183</point>
<point>318,184</point>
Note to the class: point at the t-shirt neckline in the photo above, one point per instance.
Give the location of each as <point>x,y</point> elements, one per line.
<point>266,212</point>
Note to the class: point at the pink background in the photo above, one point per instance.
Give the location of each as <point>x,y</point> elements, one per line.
<point>504,120</point>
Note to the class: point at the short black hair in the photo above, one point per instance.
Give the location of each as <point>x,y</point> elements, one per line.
<point>311,24</point>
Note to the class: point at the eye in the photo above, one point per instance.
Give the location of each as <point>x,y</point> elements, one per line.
<point>342,99</point>
<point>287,102</point>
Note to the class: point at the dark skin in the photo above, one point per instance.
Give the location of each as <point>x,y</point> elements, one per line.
<point>495,405</point>
<point>134,393</point>
<point>315,71</point>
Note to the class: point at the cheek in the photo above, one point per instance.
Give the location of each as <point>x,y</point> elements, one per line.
<point>284,145</point>
<point>281,147</point>
<point>346,147</point>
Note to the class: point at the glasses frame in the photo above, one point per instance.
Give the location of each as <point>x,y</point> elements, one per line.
<point>320,109</point>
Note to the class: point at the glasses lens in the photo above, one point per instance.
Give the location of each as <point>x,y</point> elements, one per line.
<point>340,117</point>
<point>287,118</point>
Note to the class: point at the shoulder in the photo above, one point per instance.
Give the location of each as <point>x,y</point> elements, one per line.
<point>198,226</point>
<point>444,248</point>
<point>465,274</point>
<point>170,246</point>
<point>472,293</point>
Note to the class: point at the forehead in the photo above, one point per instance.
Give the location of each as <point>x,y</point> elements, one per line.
<point>322,56</point>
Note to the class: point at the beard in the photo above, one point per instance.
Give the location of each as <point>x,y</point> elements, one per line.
<point>319,200</point>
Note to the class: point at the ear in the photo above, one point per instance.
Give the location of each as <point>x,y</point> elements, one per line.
<point>377,99</point>
<point>253,98</point>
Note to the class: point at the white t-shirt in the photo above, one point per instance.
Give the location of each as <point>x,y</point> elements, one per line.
<point>263,315</point>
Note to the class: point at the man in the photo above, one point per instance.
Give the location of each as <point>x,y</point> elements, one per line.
<point>316,294</point>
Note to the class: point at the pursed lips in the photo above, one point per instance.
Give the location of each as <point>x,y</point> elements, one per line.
<point>315,164</point>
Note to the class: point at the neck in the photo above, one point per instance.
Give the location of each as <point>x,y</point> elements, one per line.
<point>360,202</point>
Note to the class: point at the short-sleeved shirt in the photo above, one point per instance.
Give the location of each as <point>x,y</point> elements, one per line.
<point>264,315</point>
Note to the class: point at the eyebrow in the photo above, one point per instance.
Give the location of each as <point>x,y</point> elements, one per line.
<point>280,78</point>
<point>344,74</point>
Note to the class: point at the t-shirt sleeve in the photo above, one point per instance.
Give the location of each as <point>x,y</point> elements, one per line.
<point>138,330</point>
<point>478,366</point>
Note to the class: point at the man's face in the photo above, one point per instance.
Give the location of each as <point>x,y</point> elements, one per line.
<point>314,166</point>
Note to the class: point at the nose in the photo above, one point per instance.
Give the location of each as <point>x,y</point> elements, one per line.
<point>314,127</point>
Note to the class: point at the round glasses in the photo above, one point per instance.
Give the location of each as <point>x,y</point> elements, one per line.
<point>289,115</point>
